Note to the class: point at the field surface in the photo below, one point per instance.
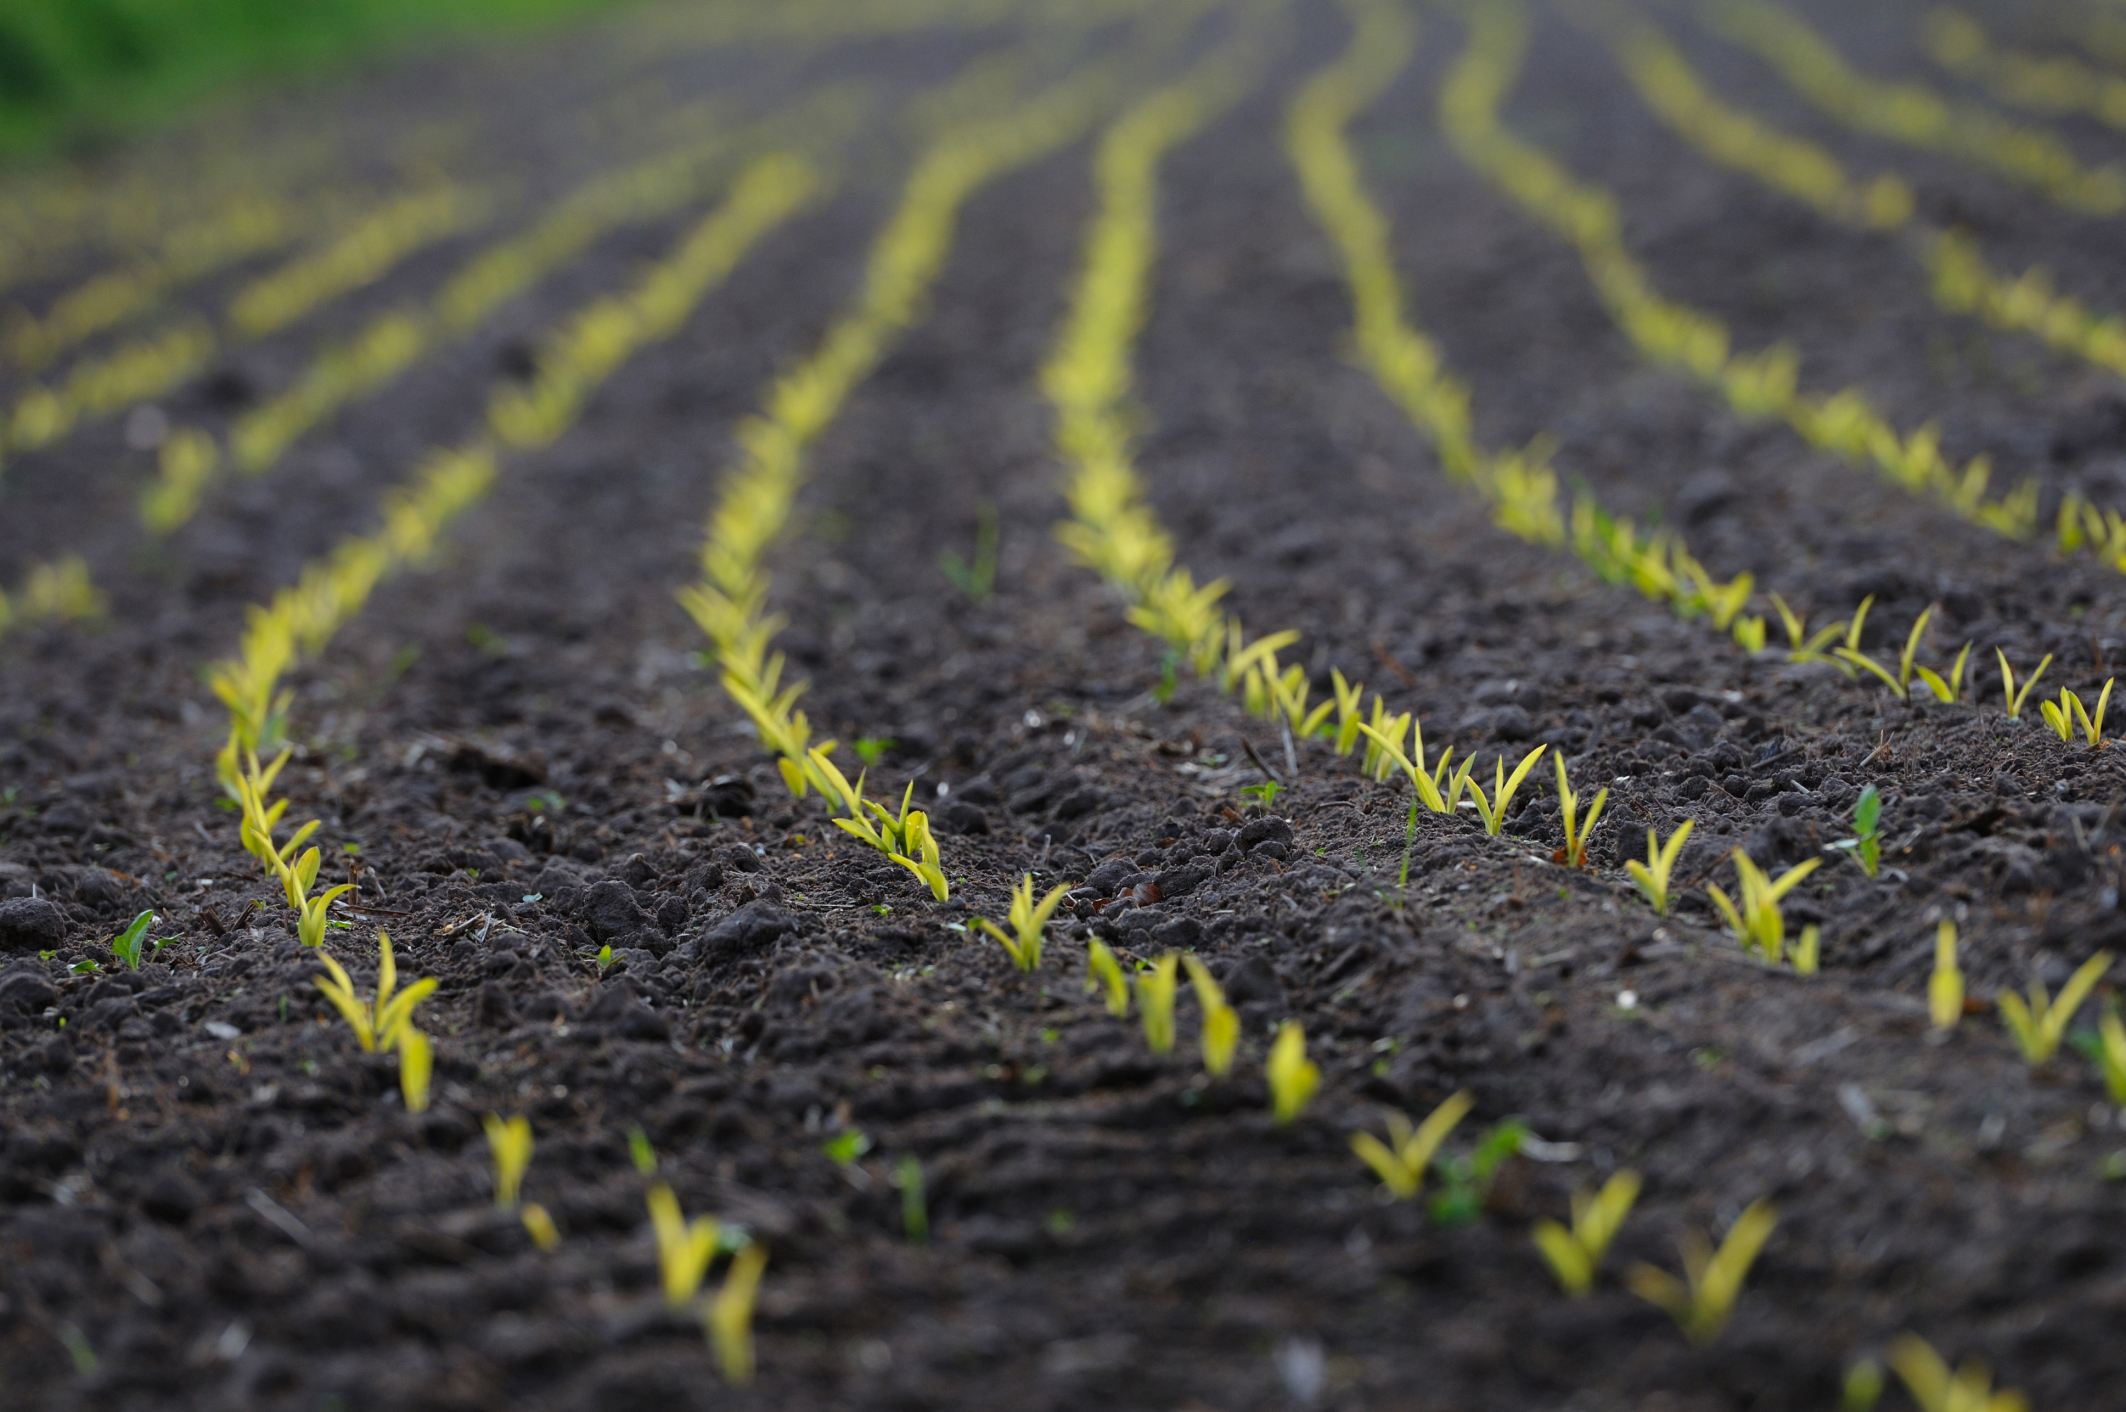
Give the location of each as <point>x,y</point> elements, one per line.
<point>1101,410</point>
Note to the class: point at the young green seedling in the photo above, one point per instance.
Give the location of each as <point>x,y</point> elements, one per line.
<point>1104,973</point>
<point>416,1067</point>
<point>2064,716</point>
<point>1651,877</point>
<point>376,1025</point>
<point>1221,1022</point>
<point>915,1208</point>
<point>978,579</point>
<point>684,1248</point>
<point>1945,988</point>
<point>1575,1255</point>
<point>1802,645</point>
<point>2111,1055</point>
<point>1401,1161</point>
<point>1493,810</point>
<point>1951,691</point>
<point>1757,923</point>
<point>1927,1377</point>
<point>2039,1026</point>
<point>1027,918</point>
<point>2011,698</point>
<point>510,1144</point>
<point>1466,1179</point>
<point>1436,789</point>
<point>845,1147</point>
<point>1155,1000</point>
<point>1264,794</point>
<point>1568,806</point>
<point>1865,847</point>
<point>1701,1307</point>
<point>639,1150</point>
<point>1808,951</point>
<point>730,1315</point>
<point>1862,1388</point>
<point>540,1227</point>
<point>1292,1076</point>
<point>126,945</point>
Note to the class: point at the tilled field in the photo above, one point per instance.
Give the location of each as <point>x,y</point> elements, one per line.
<point>500,437</point>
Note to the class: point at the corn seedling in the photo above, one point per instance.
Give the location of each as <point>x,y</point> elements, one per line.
<point>639,1150</point>
<point>416,1067</point>
<point>540,1227</point>
<point>1568,808</point>
<point>1651,877</point>
<point>915,1209</point>
<point>1575,1255</point>
<point>126,945</point>
<point>1945,987</point>
<point>2039,1026</point>
<point>1028,918</point>
<point>2011,698</point>
<point>376,1025</point>
<point>510,1144</point>
<point>730,1315</point>
<point>1221,1022</point>
<point>1757,922</point>
<point>1292,1076</point>
<point>1435,788</point>
<point>1865,847</point>
<point>2070,712</point>
<point>1401,1161</point>
<point>684,1248</point>
<point>1935,1388</point>
<point>1802,645</point>
<point>1493,809</point>
<point>1702,1302</point>
<point>1808,951</point>
<point>1465,1180</point>
<point>845,1147</point>
<point>1155,1000</point>
<point>2108,1049</point>
<point>1104,973</point>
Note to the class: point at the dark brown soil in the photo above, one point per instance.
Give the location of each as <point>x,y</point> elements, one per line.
<point>209,1198</point>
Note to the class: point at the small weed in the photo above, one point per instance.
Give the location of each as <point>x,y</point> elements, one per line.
<point>126,945</point>
<point>1865,847</point>
<point>977,580</point>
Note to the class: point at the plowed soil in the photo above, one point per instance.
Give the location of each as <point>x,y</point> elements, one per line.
<point>210,1198</point>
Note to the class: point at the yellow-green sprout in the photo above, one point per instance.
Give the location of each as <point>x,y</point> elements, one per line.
<point>1702,1302</point>
<point>510,1144</point>
<point>377,1024</point>
<point>1436,789</point>
<point>1493,810</point>
<point>1027,918</point>
<point>1862,1388</point>
<point>2064,716</point>
<point>1292,1076</point>
<point>2111,1055</point>
<point>1945,988</point>
<point>1576,1254</point>
<point>1651,877</point>
<point>1757,923</point>
<point>1808,951</point>
<point>1402,1160</point>
<point>921,858</point>
<point>1569,807</point>
<point>416,1068</point>
<point>1952,690</point>
<point>540,1226</point>
<point>684,1248</point>
<point>1802,645</point>
<point>1902,682</point>
<point>1104,973</point>
<point>1221,1022</point>
<point>730,1315</point>
<point>2039,1026</point>
<point>1155,998</point>
<point>1927,1377</point>
<point>2010,697</point>
<point>1347,720</point>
